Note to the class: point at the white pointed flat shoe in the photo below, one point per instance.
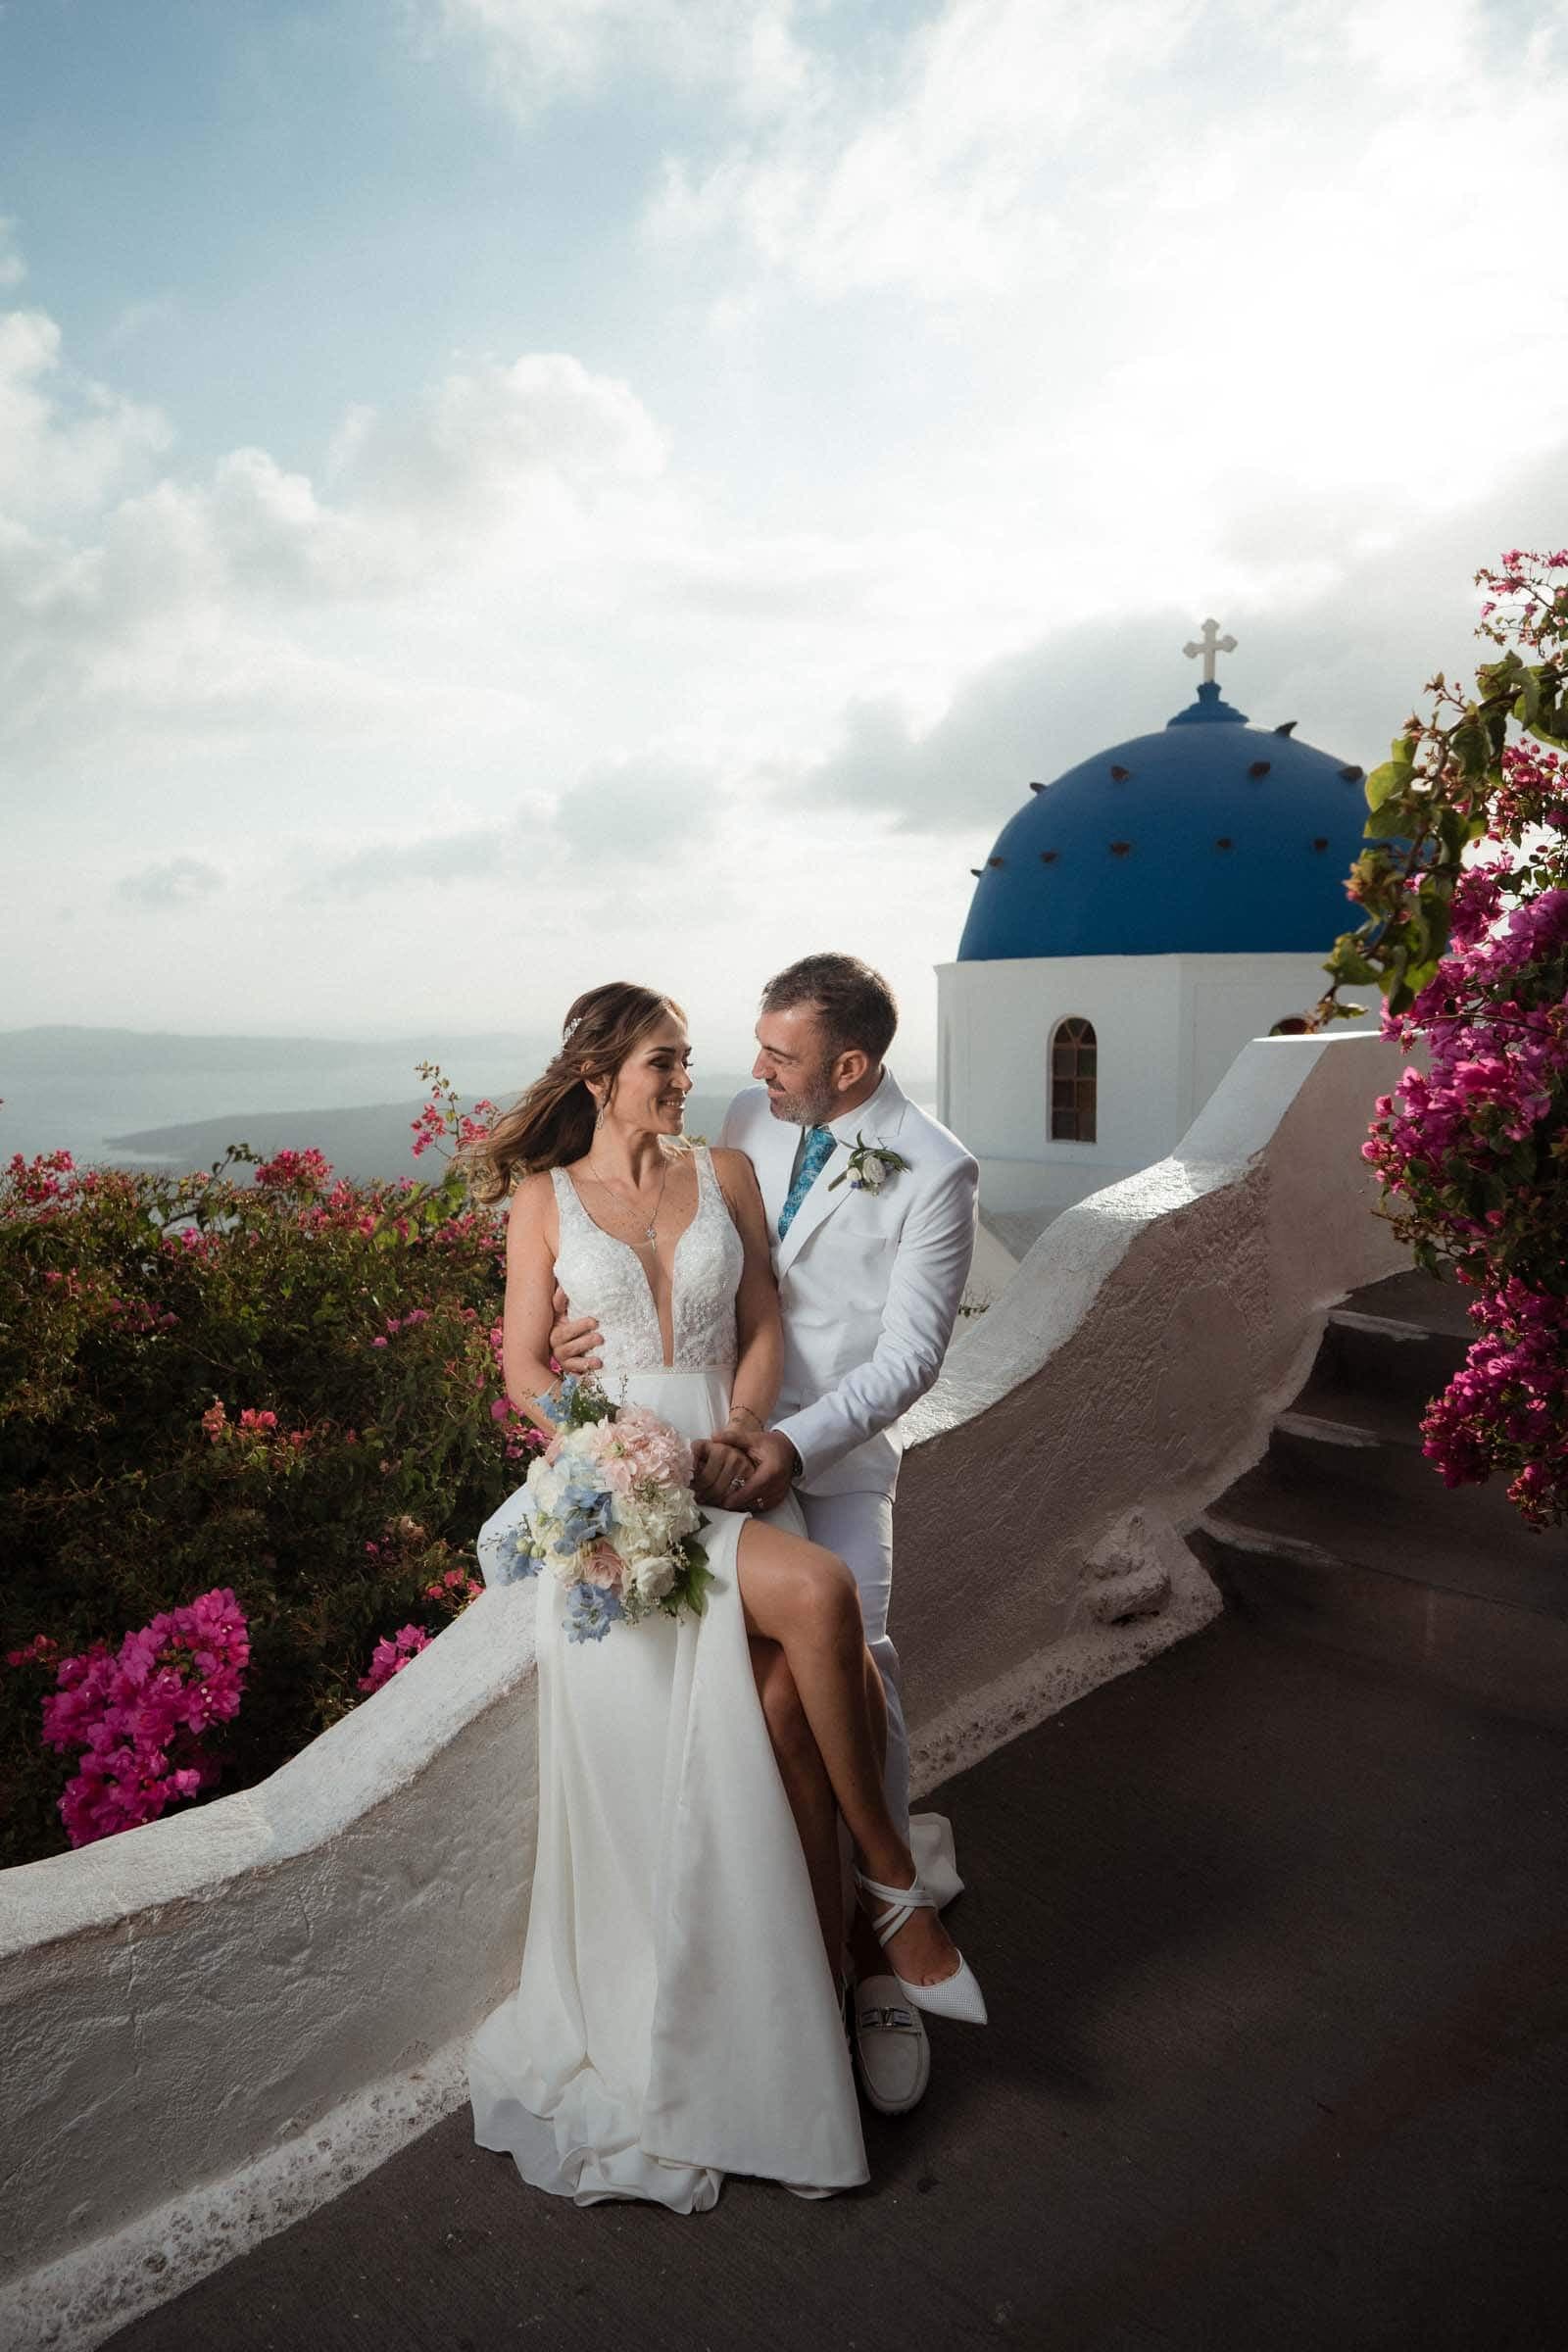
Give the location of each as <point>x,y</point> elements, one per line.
<point>958,1995</point>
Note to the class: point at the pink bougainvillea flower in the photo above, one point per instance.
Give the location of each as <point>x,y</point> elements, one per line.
<point>392,1653</point>
<point>138,1715</point>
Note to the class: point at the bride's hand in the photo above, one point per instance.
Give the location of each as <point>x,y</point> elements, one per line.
<point>718,1469</point>
<point>740,1434</point>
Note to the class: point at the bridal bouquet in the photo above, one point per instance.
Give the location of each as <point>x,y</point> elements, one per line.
<point>609,1511</point>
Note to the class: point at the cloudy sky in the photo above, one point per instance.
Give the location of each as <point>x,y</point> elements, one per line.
<point>498,494</point>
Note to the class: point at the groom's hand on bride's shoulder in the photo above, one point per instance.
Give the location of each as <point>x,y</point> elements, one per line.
<point>574,1340</point>
<point>775,1466</point>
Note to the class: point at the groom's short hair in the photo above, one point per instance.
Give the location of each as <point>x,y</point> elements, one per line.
<point>856,1005</point>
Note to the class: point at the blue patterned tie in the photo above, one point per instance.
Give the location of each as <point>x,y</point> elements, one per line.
<point>818,1152</point>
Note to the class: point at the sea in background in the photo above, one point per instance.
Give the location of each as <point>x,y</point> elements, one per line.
<point>138,1099</point>
<point>142,1099</point>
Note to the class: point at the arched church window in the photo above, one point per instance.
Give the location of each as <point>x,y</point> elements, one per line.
<point>1072,1081</point>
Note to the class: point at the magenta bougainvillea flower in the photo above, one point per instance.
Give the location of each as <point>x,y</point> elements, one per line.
<point>141,1718</point>
<point>1466,893</point>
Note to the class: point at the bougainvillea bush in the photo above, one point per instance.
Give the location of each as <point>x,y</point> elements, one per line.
<point>250,1423</point>
<point>1465,889</point>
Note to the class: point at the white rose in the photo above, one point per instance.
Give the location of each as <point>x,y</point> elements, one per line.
<point>652,1577</point>
<point>873,1172</point>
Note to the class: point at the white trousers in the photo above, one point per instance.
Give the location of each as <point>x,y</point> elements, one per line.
<point>860,1529</point>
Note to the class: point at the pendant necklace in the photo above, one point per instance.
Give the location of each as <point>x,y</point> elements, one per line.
<point>649,1230</point>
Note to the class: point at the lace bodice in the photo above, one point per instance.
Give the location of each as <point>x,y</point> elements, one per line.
<point>603,1277</point>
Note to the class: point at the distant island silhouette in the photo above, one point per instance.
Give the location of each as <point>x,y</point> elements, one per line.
<point>369,1143</point>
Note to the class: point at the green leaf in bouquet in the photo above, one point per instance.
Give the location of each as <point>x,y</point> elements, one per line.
<point>696,1579</point>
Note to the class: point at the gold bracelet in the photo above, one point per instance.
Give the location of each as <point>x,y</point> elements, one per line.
<point>750,1416</point>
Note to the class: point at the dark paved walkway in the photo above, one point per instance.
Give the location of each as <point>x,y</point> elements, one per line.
<point>1276,1947</point>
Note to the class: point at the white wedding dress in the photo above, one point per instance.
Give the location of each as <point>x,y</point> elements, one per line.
<point>676,2018</point>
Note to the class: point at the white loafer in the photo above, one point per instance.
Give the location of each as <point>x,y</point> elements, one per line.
<point>958,1995</point>
<point>890,2045</point>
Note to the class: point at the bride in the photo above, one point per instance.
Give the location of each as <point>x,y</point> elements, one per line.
<point>678,2014</point>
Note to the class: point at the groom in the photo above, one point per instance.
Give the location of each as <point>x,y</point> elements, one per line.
<point>872,1208</point>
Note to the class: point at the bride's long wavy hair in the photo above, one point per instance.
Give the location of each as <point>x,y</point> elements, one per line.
<point>552,1122</point>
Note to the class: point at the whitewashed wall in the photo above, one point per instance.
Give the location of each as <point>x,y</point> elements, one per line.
<point>1168,1027</point>
<point>1127,1373</point>
<point>212,2022</point>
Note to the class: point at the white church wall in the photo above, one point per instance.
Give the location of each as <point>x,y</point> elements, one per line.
<point>1167,1028</point>
<point>997,1021</point>
<point>219,2020</point>
<point>1229,999</point>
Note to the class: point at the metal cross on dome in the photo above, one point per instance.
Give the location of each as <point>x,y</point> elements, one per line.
<point>1208,645</point>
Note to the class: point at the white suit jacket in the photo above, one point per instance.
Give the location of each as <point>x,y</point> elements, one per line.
<point>870,1282</point>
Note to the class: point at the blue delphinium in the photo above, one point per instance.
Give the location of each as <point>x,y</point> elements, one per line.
<point>513,1554</point>
<point>585,1515</point>
<point>556,1409</point>
<point>591,1611</point>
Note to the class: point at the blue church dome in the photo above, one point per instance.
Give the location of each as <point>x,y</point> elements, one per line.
<point>1212,837</point>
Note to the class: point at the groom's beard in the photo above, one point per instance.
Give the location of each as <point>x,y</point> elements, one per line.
<point>812,1106</point>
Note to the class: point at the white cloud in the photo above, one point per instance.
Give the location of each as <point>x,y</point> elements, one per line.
<point>643,811</point>
<point>436,858</point>
<point>182,881</point>
<point>232,600</point>
<point>64,441</point>
<point>1012,145</point>
<point>539,52</point>
<point>1344,650</point>
<point>541,430</point>
<point>959,173</point>
<point>1188,252</point>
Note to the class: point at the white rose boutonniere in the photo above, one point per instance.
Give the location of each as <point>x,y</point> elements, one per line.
<point>870,1166</point>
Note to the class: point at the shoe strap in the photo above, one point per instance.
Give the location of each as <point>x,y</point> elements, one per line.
<point>903,1902</point>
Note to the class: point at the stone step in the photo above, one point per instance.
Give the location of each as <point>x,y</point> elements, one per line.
<point>1348,1501</point>
<point>1390,1480</point>
<point>1344,1534</point>
<point>1402,1339</point>
<point>1390,1420</point>
<point>1379,1355</point>
<point>1513,1662</point>
<point>1426,1301</point>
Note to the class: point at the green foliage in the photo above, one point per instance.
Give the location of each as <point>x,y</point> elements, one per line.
<point>1451,779</point>
<point>289,1385</point>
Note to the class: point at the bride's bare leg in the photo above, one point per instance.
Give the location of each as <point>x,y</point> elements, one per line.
<point>807,1788</point>
<point>804,1600</point>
